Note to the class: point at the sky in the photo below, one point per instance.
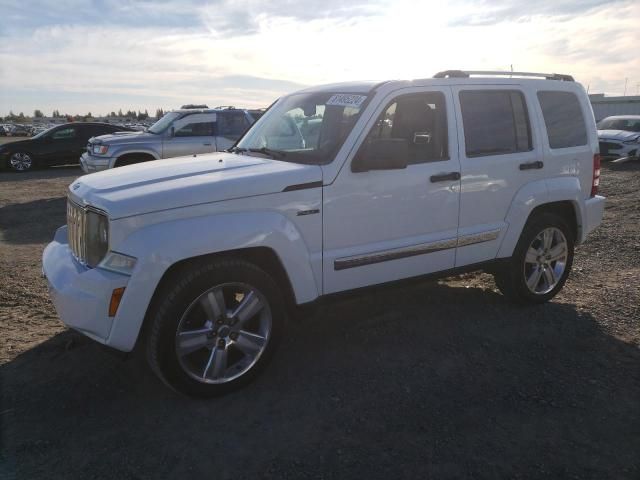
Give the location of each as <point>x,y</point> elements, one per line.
<point>102,55</point>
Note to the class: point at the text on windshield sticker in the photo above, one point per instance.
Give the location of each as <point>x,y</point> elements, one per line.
<point>346,100</point>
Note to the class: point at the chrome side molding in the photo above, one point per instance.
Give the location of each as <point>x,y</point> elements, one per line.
<point>413,250</point>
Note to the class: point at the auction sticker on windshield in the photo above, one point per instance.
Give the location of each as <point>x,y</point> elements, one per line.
<point>346,100</point>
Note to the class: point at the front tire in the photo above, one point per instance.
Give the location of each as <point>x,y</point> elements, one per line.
<point>541,262</point>
<point>21,162</point>
<point>215,327</point>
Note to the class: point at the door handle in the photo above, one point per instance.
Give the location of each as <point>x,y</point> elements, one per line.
<point>207,144</point>
<point>532,165</point>
<point>445,177</point>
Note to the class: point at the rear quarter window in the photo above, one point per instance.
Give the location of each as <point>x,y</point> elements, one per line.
<point>563,119</point>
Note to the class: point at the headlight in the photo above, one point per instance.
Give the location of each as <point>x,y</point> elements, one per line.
<point>632,142</point>
<point>99,149</point>
<point>119,263</point>
<point>97,232</point>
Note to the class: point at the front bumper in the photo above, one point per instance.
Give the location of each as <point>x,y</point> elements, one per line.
<point>612,149</point>
<point>80,295</point>
<point>90,163</point>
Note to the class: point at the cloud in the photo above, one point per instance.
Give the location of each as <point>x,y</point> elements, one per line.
<point>490,12</point>
<point>245,17</point>
<point>141,54</point>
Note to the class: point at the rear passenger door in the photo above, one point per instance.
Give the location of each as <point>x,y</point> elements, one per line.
<point>230,126</point>
<point>500,151</point>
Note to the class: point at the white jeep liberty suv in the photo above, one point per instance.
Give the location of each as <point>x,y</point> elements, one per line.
<point>198,260</point>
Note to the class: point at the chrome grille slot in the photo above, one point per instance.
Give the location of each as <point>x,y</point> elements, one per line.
<point>76,225</point>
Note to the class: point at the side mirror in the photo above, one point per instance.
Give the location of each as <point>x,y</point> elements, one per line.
<point>172,132</point>
<point>382,154</point>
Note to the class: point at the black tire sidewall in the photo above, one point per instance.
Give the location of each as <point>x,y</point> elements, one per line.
<point>516,275</point>
<point>190,283</point>
<point>133,160</point>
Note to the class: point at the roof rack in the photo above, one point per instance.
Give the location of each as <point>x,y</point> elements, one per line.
<point>225,107</point>
<point>488,73</point>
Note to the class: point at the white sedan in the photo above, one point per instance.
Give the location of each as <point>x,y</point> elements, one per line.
<point>619,137</point>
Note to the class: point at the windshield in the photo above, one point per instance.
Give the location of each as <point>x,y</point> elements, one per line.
<point>43,133</point>
<point>626,124</point>
<point>162,124</point>
<point>305,127</point>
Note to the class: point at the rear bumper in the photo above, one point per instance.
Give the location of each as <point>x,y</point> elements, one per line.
<point>593,213</point>
<point>80,295</point>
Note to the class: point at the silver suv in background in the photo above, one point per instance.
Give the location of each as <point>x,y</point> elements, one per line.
<point>180,132</point>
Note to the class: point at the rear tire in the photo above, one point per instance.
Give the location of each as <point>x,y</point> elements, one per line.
<point>215,327</point>
<point>541,262</point>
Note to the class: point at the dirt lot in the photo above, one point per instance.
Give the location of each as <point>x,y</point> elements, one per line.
<point>437,379</point>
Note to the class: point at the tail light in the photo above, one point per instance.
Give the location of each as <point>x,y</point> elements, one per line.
<point>595,183</point>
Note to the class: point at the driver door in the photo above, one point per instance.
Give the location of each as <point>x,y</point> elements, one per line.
<point>385,225</point>
<point>62,146</point>
<point>192,134</point>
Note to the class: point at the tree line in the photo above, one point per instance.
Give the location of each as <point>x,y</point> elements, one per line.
<point>138,115</point>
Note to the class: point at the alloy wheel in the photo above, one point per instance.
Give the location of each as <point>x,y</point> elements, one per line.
<point>223,333</point>
<point>545,261</point>
<point>20,162</point>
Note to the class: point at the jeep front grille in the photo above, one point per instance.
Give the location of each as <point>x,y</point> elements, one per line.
<point>76,231</point>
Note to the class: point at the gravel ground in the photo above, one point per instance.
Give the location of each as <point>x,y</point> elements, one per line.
<point>432,379</point>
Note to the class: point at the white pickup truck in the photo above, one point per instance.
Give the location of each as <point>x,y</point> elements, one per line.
<point>199,260</point>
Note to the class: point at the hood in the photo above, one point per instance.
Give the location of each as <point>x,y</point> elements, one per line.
<point>18,143</point>
<point>182,181</point>
<point>621,135</point>
<point>122,138</point>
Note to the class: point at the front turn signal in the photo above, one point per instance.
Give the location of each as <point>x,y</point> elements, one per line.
<point>116,296</point>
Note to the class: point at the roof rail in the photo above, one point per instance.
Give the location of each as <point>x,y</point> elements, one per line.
<point>225,107</point>
<point>489,73</point>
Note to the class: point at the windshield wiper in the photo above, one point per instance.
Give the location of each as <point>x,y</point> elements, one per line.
<point>275,154</point>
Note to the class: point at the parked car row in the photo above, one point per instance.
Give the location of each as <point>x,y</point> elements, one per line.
<point>99,146</point>
<point>18,130</point>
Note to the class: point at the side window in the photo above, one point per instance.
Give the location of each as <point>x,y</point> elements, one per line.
<point>563,119</point>
<point>419,118</point>
<point>495,122</point>
<point>94,131</point>
<point>196,129</point>
<point>232,124</point>
<point>64,134</point>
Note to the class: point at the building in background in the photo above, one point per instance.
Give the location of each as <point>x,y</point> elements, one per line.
<point>607,106</point>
